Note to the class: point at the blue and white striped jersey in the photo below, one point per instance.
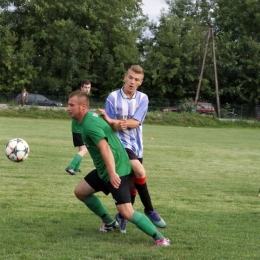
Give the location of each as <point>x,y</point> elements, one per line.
<point>119,106</point>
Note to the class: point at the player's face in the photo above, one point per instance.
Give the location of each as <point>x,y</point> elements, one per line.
<point>86,88</point>
<point>74,108</point>
<point>132,81</point>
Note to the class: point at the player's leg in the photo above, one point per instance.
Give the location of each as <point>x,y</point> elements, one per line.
<point>120,219</point>
<point>141,186</point>
<point>122,197</point>
<point>74,165</point>
<point>133,190</point>
<point>85,192</point>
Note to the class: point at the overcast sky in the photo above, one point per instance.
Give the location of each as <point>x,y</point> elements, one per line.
<point>153,8</point>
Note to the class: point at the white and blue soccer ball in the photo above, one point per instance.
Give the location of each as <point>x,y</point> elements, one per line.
<point>17,150</point>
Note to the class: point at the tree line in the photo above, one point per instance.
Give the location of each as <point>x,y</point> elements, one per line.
<point>49,46</point>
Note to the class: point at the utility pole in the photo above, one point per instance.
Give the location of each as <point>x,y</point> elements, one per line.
<point>210,34</point>
<point>215,72</point>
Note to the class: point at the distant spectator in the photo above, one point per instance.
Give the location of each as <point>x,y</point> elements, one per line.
<point>24,97</point>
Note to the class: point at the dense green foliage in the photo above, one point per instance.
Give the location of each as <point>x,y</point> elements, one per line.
<point>49,46</point>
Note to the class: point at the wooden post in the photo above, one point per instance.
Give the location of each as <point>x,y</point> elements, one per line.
<point>215,73</point>
<point>210,33</point>
<point>202,68</point>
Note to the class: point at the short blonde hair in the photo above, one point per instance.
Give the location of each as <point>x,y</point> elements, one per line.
<point>137,69</point>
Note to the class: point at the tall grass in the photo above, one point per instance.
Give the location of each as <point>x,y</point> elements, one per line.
<point>203,181</point>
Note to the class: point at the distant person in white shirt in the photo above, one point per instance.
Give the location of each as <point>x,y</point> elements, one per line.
<point>24,97</point>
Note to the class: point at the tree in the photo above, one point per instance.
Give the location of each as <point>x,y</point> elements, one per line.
<point>173,55</point>
<point>175,51</point>
<point>16,67</point>
<point>238,37</point>
<point>73,39</point>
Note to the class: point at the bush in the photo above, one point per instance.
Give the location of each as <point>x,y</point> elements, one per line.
<point>153,117</point>
<point>34,112</point>
<point>195,120</point>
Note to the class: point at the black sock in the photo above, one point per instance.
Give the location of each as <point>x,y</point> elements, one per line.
<point>133,199</point>
<point>144,196</point>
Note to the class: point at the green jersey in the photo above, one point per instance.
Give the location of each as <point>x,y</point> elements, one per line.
<point>94,129</point>
<point>75,126</point>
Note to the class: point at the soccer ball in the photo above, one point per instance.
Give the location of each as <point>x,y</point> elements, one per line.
<point>17,150</point>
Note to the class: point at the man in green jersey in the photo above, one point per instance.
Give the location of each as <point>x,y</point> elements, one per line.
<point>112,170</point>
<point>76,136</point>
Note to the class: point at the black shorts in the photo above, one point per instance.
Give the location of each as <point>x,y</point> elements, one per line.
<point>132,155</point>
<point>121,195</point>
<point>77,139</point>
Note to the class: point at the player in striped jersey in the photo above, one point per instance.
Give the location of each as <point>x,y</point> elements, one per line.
<point>125,111</point>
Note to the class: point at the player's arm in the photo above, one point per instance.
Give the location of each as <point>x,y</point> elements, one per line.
<point>109,120</point>
<point>137,118</point>
<point>123,124</point>
<point>108,158</point>
<point>132,123</point>
<point>109,115</point>
<point>114,123</point>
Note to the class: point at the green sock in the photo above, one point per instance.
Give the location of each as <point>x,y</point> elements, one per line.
<point>77,168</point>
<point>144,224</point>
<point>76,162</point>
<point>95,205</point>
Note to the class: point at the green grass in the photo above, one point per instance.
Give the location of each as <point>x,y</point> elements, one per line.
<point>203,181</point>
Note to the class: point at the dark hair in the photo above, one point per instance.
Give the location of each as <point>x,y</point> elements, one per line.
<point>81,96</point>
<point>85,82</point>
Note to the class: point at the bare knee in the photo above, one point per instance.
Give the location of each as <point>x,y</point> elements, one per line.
<point>138,169</point>
<point>125,215</point>
<point>83,190</point>
<point>79,194</point>
<point>126,210</point>
<point>139,173</point>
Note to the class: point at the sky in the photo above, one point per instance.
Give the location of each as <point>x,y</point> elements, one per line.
<point>153,8</point>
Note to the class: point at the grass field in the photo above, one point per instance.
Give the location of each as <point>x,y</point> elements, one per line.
<point>203,181</point>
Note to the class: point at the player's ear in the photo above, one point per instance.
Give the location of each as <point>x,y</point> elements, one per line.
<point>84,105</point>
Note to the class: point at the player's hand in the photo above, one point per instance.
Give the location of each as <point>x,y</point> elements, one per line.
<point>102,112</point>
<point>123,124</point>
<point>115,181</point>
